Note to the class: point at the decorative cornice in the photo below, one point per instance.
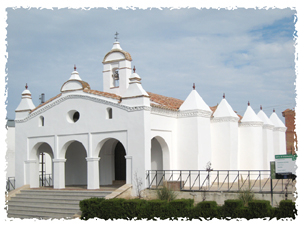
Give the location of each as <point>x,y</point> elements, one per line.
<point>282,129</point>
<point>194,113</point>
<point>126,55</point>
<point>78,96</point>
<point>163,112</point>
<point>224,119</point>
<point>251,124</point>
<point>180,114</point>
<point>268,126</point>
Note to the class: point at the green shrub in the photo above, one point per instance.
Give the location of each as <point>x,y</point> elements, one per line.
<point>112,209</point>
<point>181,208</point>
<point>207,209</point>
<point>287,208</point>
<point>90,208</point>
<point>259,208</point>
<point>154,208</point>
<point>230,208</point>
<point>166,194</point>
<point>246,196</point>
<point>133,208</point>
<point>243,212</point>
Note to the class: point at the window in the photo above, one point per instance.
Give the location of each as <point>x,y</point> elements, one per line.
<point>73,116</point>
<point>115,78</point>
<point>109,113</point>
<point>76,117</point>
<point>42,121</point>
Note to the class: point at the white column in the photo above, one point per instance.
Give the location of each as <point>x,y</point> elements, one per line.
<point>59,173</point>
<point>128,169</point>
<point>32,173</point>
<point>92,173</point>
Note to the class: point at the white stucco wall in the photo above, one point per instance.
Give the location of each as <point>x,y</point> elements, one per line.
<point>10,153</point>
<point>224,145</point>
<point>250,155</point>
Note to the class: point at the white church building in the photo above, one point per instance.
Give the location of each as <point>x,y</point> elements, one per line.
<point>97,137</point>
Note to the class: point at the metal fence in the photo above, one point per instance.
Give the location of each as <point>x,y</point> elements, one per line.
<point>257,181</point>
<point>46,180</point>
<point>10,184</point>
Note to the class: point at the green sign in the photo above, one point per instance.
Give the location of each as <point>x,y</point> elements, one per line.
<point>285,164</point>
<point>293,157</point>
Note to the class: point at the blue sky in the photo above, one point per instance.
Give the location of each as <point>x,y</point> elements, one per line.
<point>245,53</point>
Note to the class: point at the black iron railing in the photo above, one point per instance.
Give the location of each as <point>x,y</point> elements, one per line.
<point>10,184</point>
<point>46,180</point>
<point>257,181</point>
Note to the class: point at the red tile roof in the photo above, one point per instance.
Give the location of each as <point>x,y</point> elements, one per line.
<point>101,93</point>
<point>165,102</point>
<point>159,101</point>
<point>46,102</point>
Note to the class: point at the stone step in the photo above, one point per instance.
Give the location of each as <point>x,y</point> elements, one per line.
<point>43,209</point>
<point>65,192</point>
<point>45,204</point>
<point>43,215</point>
<point>50,205</point>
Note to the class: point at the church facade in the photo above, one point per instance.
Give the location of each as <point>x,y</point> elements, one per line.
<point>97,137</point>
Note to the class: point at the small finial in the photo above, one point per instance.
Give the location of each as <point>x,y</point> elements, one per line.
<point>194,86</point>
<point>260,107</point>
<point>116,37</point>
<point>134,69</point>
<point>273,110</point>
<point>223,95</point>
<point>248,103</point>
<point>74,67</point>
<point>26,86</point>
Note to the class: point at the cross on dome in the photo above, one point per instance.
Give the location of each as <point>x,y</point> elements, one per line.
<point>116,37</point>
<point>260,107</point>
<point>134,69</point>
<point>194,86</point>
<point>26,86</point>
<point>248,103</point>
<point>223,95</point>
<point>74,67</point>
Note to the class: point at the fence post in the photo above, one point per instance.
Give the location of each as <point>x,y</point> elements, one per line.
<point>156,178</point>
<point>190,179</point>
<point>180,180</point>
<point>271,191</point>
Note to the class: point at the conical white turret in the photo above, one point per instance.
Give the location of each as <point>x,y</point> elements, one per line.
<point>250,141</point>
<point>194,101</point>
<point>279,136</point>
<point>194,124</point>
<point>268,147</point>
<point>224,110</point>
<point>25,106</point>
<point>135,87</point>
<point>224,127</point>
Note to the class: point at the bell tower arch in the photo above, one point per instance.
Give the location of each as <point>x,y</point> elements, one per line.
<point>116,70</point>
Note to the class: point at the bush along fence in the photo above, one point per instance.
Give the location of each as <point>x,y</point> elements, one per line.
<point>183,208</point>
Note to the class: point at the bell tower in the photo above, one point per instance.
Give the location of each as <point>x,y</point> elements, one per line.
<point>116,69</point>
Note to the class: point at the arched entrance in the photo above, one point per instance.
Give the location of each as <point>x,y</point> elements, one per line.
<point>75,165</point>
<point>40,173</point>
<point>156,155</point>
<point>120,162</point>
<point>160,160</point>
<point>112,164</point>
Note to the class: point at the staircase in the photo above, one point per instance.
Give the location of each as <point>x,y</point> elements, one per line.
<point>46,204</point>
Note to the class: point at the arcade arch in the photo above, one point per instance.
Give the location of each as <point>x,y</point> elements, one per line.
<point>75,165</point>
<point>112,163</point>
